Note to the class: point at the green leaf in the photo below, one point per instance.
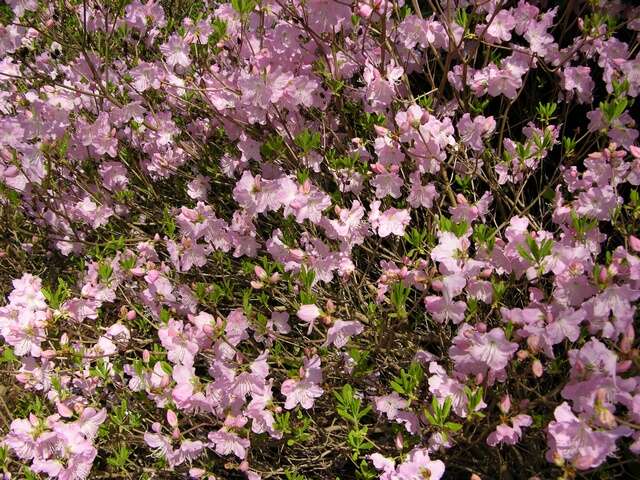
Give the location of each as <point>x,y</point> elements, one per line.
<point>243,7</point>
<point>453,426</point>
<point>8,356</point>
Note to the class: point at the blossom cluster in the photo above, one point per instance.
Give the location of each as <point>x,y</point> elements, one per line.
<point>319,239</point>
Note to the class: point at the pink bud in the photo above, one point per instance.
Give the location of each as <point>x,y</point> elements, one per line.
<point>330,307</point>
<point>533,342</point>
<point>146,356</point>
<point>244,466</point>
<point>505,404</point>
<point>48,354</point>
<point>378,168</point>
<point>172,418</point>
<point>399,441</point>
<point>537,369</point>
<point>137,271</point>
<point>606,418</point>
<point>634,243</point>
<point>364,10</point>
<point>196,472</point>
<point>380,130</point>
<point>603,275</point>
<point>131,315</point>
<point>522,354</point>
<point>63,410</point>
<point>627,339</point>
<point>308,313</point>
<point>623,366</point>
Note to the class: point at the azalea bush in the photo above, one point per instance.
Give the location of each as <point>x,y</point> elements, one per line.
<point>319,239</point>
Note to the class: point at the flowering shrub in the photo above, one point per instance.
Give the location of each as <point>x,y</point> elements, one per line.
<point>324,239</point>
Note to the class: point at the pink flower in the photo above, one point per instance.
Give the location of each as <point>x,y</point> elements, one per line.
<point>341,331</point>
<point>472,132</point>
<point>308,203</point>
<point>225,442</point>
<point>476,352</point>
<point>19,7</point>
<point>572,439</point>
<point>493,349</point>
<point>387,183</point>
<point>504,434</point>
<point>21,437</point>
<point>181,349</point>
<point>444,308</point>
<point>100,136</point>
<point>280,322</point>
<point>450,250</point>
<point>349,228</point>
<point>199,188</point>
<point>391,221</point>
<point>146,75</point>
<point>305,390</point>
<point>114,176</point>
<point>421,195</point>
<point>578,81</point>
<point>308,314</point>
<point>443,387</point>
<point>500,26</point>
<point>390,405</point>
<point>502,82</point>
<point>176,51</point>
<point>417,466</point>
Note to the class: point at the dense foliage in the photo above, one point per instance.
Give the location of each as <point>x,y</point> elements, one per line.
<point>319,239</point>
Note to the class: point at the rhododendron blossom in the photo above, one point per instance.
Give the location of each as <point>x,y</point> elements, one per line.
<point>319,239</point>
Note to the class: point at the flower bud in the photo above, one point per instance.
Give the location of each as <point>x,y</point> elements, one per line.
<point>196,472</point>
<point>399,441</point>
<point>172,418</point>
<point>623,366</point>
<point>505,404</point>
<point>537,369</point>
